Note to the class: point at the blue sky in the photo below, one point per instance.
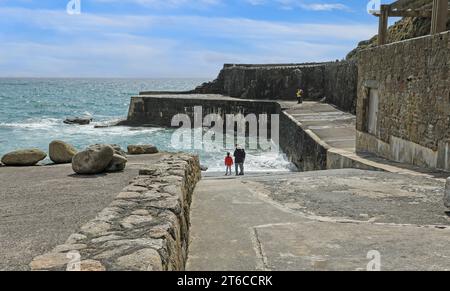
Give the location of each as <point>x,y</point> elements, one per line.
<point>173,38</point>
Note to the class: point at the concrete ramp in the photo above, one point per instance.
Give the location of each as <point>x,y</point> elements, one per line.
<point>332,222</point>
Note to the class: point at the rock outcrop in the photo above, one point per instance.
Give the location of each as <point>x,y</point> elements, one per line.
<point>404,29</point>
<point>61,152</point>
<point>142,149</point>
<point>25,157</point>
<point>78,120</point>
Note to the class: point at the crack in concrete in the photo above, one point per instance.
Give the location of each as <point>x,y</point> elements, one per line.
<point>262,262</point>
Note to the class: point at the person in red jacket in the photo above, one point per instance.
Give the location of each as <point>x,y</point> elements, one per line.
<point>228,163</point>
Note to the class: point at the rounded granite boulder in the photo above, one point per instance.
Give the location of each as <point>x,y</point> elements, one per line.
<point>142,149</point>
<point>61,152</point>
<point>25,157</point>
<point>117,163</point>
<point>93,160</point>
<point>119,159</point>
<point>117,149</point>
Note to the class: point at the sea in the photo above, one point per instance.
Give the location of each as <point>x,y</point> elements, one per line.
<point>32,111</point>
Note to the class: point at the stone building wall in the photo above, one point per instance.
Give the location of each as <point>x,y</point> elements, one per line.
<point>412,80</point>
<point>334,80</point>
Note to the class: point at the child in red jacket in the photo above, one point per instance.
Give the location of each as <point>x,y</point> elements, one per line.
<point>228,163</point>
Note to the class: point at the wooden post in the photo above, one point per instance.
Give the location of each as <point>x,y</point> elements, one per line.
<point>440,16</point>
<point>383,24</point>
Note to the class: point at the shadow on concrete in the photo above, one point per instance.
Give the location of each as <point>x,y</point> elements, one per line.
<point>78,176</point>
<point>430,172</point>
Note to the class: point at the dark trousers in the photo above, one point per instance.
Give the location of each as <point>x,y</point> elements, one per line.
<point>239,168</point>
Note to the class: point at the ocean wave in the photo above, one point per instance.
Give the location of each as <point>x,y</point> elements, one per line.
<point>261,162</point>
<point>33,123</point>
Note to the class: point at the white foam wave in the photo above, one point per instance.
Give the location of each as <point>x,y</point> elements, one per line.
<point>33,123</point>
<point>261,162</point>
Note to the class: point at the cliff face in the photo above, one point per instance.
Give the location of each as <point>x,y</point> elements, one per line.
<point>403,29</point>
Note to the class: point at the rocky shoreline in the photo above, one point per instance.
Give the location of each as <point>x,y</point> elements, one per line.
<point>95,159</point>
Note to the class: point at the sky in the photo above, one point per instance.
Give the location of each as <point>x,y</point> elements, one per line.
<point>173,38</point>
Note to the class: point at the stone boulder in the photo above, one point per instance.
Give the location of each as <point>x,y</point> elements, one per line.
<point>61,152</point>
<point>142,149</point>
<point>447,194</point>
<point>25,157</point>
<point>117,164</point>
<point>119,159</point>
<point>78,120</point>
<point>93,160</point>
<point>117,149</point>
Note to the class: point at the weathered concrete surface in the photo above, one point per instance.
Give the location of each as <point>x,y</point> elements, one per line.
<point>334,127</point>
<point>335,247</point>
<point>41,206</point>
<point>348,194</point>
<point>326,220</point>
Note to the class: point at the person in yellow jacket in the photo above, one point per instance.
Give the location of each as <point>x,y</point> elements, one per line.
<point>300,96</point>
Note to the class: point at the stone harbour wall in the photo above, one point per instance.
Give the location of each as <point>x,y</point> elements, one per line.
<point>337,81</point>
<point>159,110</point>
<point>301,146</point>
<point>413,84</point>
<point>146,228</point>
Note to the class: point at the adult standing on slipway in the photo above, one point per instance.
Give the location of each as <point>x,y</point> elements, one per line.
<point>239,160</point>
<point>300,96</point>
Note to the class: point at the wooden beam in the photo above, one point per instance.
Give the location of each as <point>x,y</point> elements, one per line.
<point>410,13</point>
<point>423,13</point>
<point>383,24</point>
<point>439,16</point>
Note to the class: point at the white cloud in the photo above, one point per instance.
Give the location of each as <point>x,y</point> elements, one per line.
<point>167,3</point>
<point>233,28</point>
<point>136,46</point>
<point>302,4</point>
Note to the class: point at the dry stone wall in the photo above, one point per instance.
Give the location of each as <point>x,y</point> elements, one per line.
<point>146,228</point>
